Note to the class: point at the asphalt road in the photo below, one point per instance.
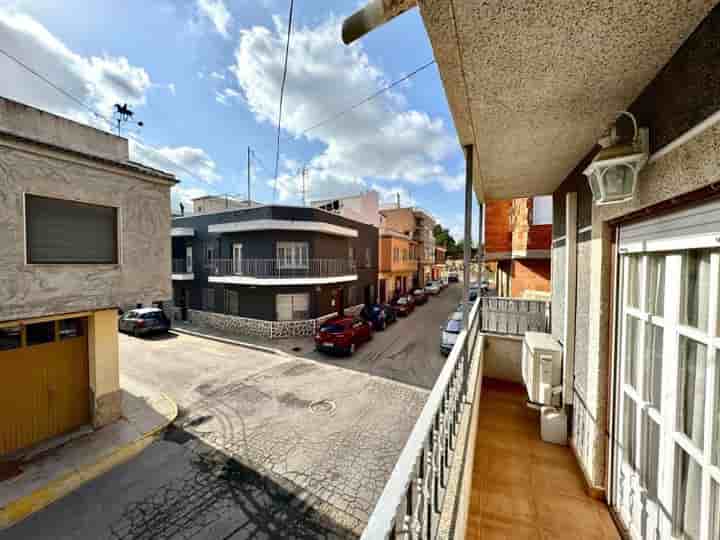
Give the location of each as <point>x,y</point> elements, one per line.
<point>267,446</point>
<point>407,351</point>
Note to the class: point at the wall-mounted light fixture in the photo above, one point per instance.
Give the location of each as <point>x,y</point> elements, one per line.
<point>613,173</point>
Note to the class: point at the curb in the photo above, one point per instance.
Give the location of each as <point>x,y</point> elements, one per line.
<point>56,489</point>
<point>229,341</point>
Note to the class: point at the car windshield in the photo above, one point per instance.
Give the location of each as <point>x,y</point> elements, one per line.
<point>331,328</point>
<point>402,301</point>
<point>454,326</point>
<point>417,291</point>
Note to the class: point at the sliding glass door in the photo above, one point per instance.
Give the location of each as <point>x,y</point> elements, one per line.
<point>666,442</point>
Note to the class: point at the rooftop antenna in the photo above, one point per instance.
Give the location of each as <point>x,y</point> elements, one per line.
<point>397,195</point>
<point>123,115</point>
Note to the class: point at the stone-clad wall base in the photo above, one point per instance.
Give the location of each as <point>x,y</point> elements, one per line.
<point>262,328</point>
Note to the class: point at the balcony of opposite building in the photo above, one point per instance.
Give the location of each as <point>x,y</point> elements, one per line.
<point>277,271</point>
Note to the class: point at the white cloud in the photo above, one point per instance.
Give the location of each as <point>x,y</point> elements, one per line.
<point>172,88</point>
<point>98,81</point>
<point>227,95</point>
<point>217,76</point>
<point>218,13</point>
<point>453,183</point>
<point>379,140</point>
<point>185,195</point>
<point>180,160</point>
<point>389,195</point>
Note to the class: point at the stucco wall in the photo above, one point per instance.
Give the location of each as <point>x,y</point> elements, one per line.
<point>503,358</point>
<point>143,274</point>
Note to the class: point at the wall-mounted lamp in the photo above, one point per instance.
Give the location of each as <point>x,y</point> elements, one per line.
<point>613,173</point>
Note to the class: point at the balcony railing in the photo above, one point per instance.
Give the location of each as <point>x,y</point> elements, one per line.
<point>180,266</point>
<point>278,268</point>
<point>513,316</point>
<point>412,501</point>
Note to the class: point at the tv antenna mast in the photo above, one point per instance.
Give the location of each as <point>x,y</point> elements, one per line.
<point>123,115</point>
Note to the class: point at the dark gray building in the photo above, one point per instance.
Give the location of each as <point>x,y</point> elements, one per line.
<point>273,262</point>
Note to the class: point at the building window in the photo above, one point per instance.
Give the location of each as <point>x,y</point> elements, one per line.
<point>292,254</point>
<point>232,303</point>
<point>368,258</point>
<point>351,253</point>
<point>292,307</point>
<point>71,328</point>
<point>208,299</point>
<point>10,338</point>
<point>542,210</point>
<point>68,232</point>
<point>396,254</point>
<point>39,333</point>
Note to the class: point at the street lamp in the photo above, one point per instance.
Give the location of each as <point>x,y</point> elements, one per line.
<point>613,173</point>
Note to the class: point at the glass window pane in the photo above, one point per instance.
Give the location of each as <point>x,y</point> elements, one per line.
<point>688,491</point>
<point>629,432</point>
<point>10,338</point>
<point>39,333</point>
<point>695,288</point>
<point>691,391</point>
<point>70,328</point>
<point>715,512</point>
<point>656,284</point>
<point>633,350</point>
<point>652,456</point>
<point>653,364</point>
<point>716,427</point>
<point>633,281</point>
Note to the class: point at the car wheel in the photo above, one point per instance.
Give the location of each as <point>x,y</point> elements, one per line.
<point>383,325</point>
<point>351,349</point>
<point>136,332</point>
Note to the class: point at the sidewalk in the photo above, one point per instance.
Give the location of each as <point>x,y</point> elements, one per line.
<point>52,470</point>
<point>295,346</point>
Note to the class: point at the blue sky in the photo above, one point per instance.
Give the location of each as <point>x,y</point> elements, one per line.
<point>204,75</point>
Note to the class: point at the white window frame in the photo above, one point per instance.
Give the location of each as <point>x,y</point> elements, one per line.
<point>295,314</point>
<point>188,259</point>
<point>629,493</point>
<point>237,258</point>
<point>293,255</point>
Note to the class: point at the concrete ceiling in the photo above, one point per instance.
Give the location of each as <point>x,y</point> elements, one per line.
<point>533,84</point>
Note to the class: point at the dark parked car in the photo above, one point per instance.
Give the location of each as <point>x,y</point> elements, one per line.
<point>144,321</point>
<point>453,277</point>
<point>390,314</point>
<point>420,297</point>
<point>375,315</point>
<point>403,305</point>
<point>450,332</point>
<point>342,335</point>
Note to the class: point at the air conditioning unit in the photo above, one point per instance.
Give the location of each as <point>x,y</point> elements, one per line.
<point>542,368</point>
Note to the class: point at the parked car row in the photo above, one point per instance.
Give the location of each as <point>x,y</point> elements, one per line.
<point>343,334</point>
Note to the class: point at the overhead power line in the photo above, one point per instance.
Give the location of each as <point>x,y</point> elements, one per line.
<point>97,114</point>
<point>369,98</point>
<point>282,95</point>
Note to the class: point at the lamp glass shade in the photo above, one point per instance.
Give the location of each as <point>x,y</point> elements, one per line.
<point>618,181</point>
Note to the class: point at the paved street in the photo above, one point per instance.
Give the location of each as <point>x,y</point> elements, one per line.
<point>409,351</point>
<point>266,446</point>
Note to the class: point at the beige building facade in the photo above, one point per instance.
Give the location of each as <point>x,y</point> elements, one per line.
<point>83,231</point>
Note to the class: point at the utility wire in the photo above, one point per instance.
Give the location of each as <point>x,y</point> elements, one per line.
<point>97,114</point>
<point>369,98</point>
<point>282,95</point>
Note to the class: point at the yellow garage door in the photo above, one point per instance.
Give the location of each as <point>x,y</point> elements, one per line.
<point>44,381</point>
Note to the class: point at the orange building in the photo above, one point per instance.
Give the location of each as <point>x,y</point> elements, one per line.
<point>518,238</point>
<point>398,263</point>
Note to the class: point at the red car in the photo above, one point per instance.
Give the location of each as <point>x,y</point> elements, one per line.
<point>420,297</point>
<point>404,305</point>
<point>342,335</point>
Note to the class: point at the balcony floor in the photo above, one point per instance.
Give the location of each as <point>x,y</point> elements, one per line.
<point>524,488</point>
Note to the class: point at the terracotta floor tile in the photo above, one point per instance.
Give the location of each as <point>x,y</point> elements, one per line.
<point>523,488</point>
<point>505,467</point>
<point>556,478</point>
<point>508,502</point>
<point>568,516</point>
<point>496,530</point>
